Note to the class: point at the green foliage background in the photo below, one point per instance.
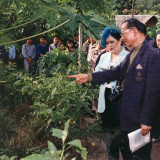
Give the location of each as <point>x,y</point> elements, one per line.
<point>32,106</point>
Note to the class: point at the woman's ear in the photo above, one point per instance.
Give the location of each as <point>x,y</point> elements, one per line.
<point>121,41</point>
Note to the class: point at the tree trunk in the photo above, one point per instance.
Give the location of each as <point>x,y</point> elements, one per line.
<point>80,44</point>
<point>132,8</point>
<point>80,37</point>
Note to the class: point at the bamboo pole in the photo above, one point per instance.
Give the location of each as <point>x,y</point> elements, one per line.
<point>132,8</point>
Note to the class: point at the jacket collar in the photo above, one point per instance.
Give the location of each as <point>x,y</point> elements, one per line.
<point>138,56</point>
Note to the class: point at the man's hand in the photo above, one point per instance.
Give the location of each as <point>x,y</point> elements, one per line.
<point>30,60</point>
<point>145,129</point>
<point>80,78</point>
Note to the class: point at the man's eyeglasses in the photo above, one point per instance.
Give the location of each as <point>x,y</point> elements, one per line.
<point>123,33</point>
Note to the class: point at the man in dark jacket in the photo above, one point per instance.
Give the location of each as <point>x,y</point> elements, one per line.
<point>158,42</point>
<point>141,86</point>
<point>3,54</point>
<point>151,41</point>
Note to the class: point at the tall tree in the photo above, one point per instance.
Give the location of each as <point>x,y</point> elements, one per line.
<point>148,6</point>
<point>54,13</point>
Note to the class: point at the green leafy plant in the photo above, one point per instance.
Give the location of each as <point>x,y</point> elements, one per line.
<point>7,158</point>
<point>53,153</point>
<point>63,62</point>
<point>45,101</point>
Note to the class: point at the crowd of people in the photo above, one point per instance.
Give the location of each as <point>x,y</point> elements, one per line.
<point>92,49</point>
<point>30,52</point>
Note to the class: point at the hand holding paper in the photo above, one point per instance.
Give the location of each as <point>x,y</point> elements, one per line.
<point>136,140</point>
<point>145,129</point>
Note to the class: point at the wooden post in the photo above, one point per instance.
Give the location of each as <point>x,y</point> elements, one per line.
<point>80,37</point>
<point>80,44</point>
<point>132,8</point>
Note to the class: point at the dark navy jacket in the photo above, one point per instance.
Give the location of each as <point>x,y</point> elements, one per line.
<point>141,97</point>
<point>3,53</point>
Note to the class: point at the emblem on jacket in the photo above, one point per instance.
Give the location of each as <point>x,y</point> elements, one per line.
<point>139,69</point>
<point>139,76</point>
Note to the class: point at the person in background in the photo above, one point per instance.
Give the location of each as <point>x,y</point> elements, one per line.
<point>42,48</point>
<point>151,41</point>
<point>111,40</point>
<point>12,52</point>
<point>62,47</point>
<point>3,54</point>
<point>70,46</point>
<point>97,61</point>
<point>158,42</point>
<point>29,54</point>
<point>85,47</point>
<point>92,43</point>
<point>76,41</point>
<point>93,54</point>
<point>55,43</point>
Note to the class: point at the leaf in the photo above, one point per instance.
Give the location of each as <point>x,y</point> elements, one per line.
<point>97,18</point>
<point>13,157</point>
<point>24,89</point>
<point>4,157</point>
<point>57,133</point>
<point>48,123</point>
<point>66,126</point>
<point>53,91</point>
<point>77,18</point>
<point>17,82</point>
<point>52,148</point>
<point>73,158</point>
<point>83,153</point>
<point>55,155</point>
<point>35,157</point>
<point>73,25</point>
<point>75,143</point>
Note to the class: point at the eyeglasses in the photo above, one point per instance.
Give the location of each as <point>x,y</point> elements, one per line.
<point>123,33</point>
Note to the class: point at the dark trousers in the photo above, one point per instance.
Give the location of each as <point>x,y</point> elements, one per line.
<point>111,128</point>
<point>112,139</point>
<point>143,153</point>
<point>117,140</point>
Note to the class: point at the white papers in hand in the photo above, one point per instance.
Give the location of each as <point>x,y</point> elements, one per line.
<point>136,140</point>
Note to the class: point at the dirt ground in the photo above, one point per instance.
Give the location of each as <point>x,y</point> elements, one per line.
<point>97,150</point>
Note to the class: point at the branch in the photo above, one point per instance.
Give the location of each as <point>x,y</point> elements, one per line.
<point>7,29</point>
<point>37,34</point>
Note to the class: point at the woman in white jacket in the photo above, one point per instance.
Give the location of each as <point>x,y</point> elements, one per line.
<point>111,40</point>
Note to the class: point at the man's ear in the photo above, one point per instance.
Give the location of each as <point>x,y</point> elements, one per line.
<point>135,30</point>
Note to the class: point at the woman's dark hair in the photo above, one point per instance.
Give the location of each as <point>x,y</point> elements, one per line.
<point>132,22</point>
<point>116,36</point>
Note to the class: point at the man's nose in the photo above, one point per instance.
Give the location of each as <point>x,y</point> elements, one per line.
<point>122,38</point>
